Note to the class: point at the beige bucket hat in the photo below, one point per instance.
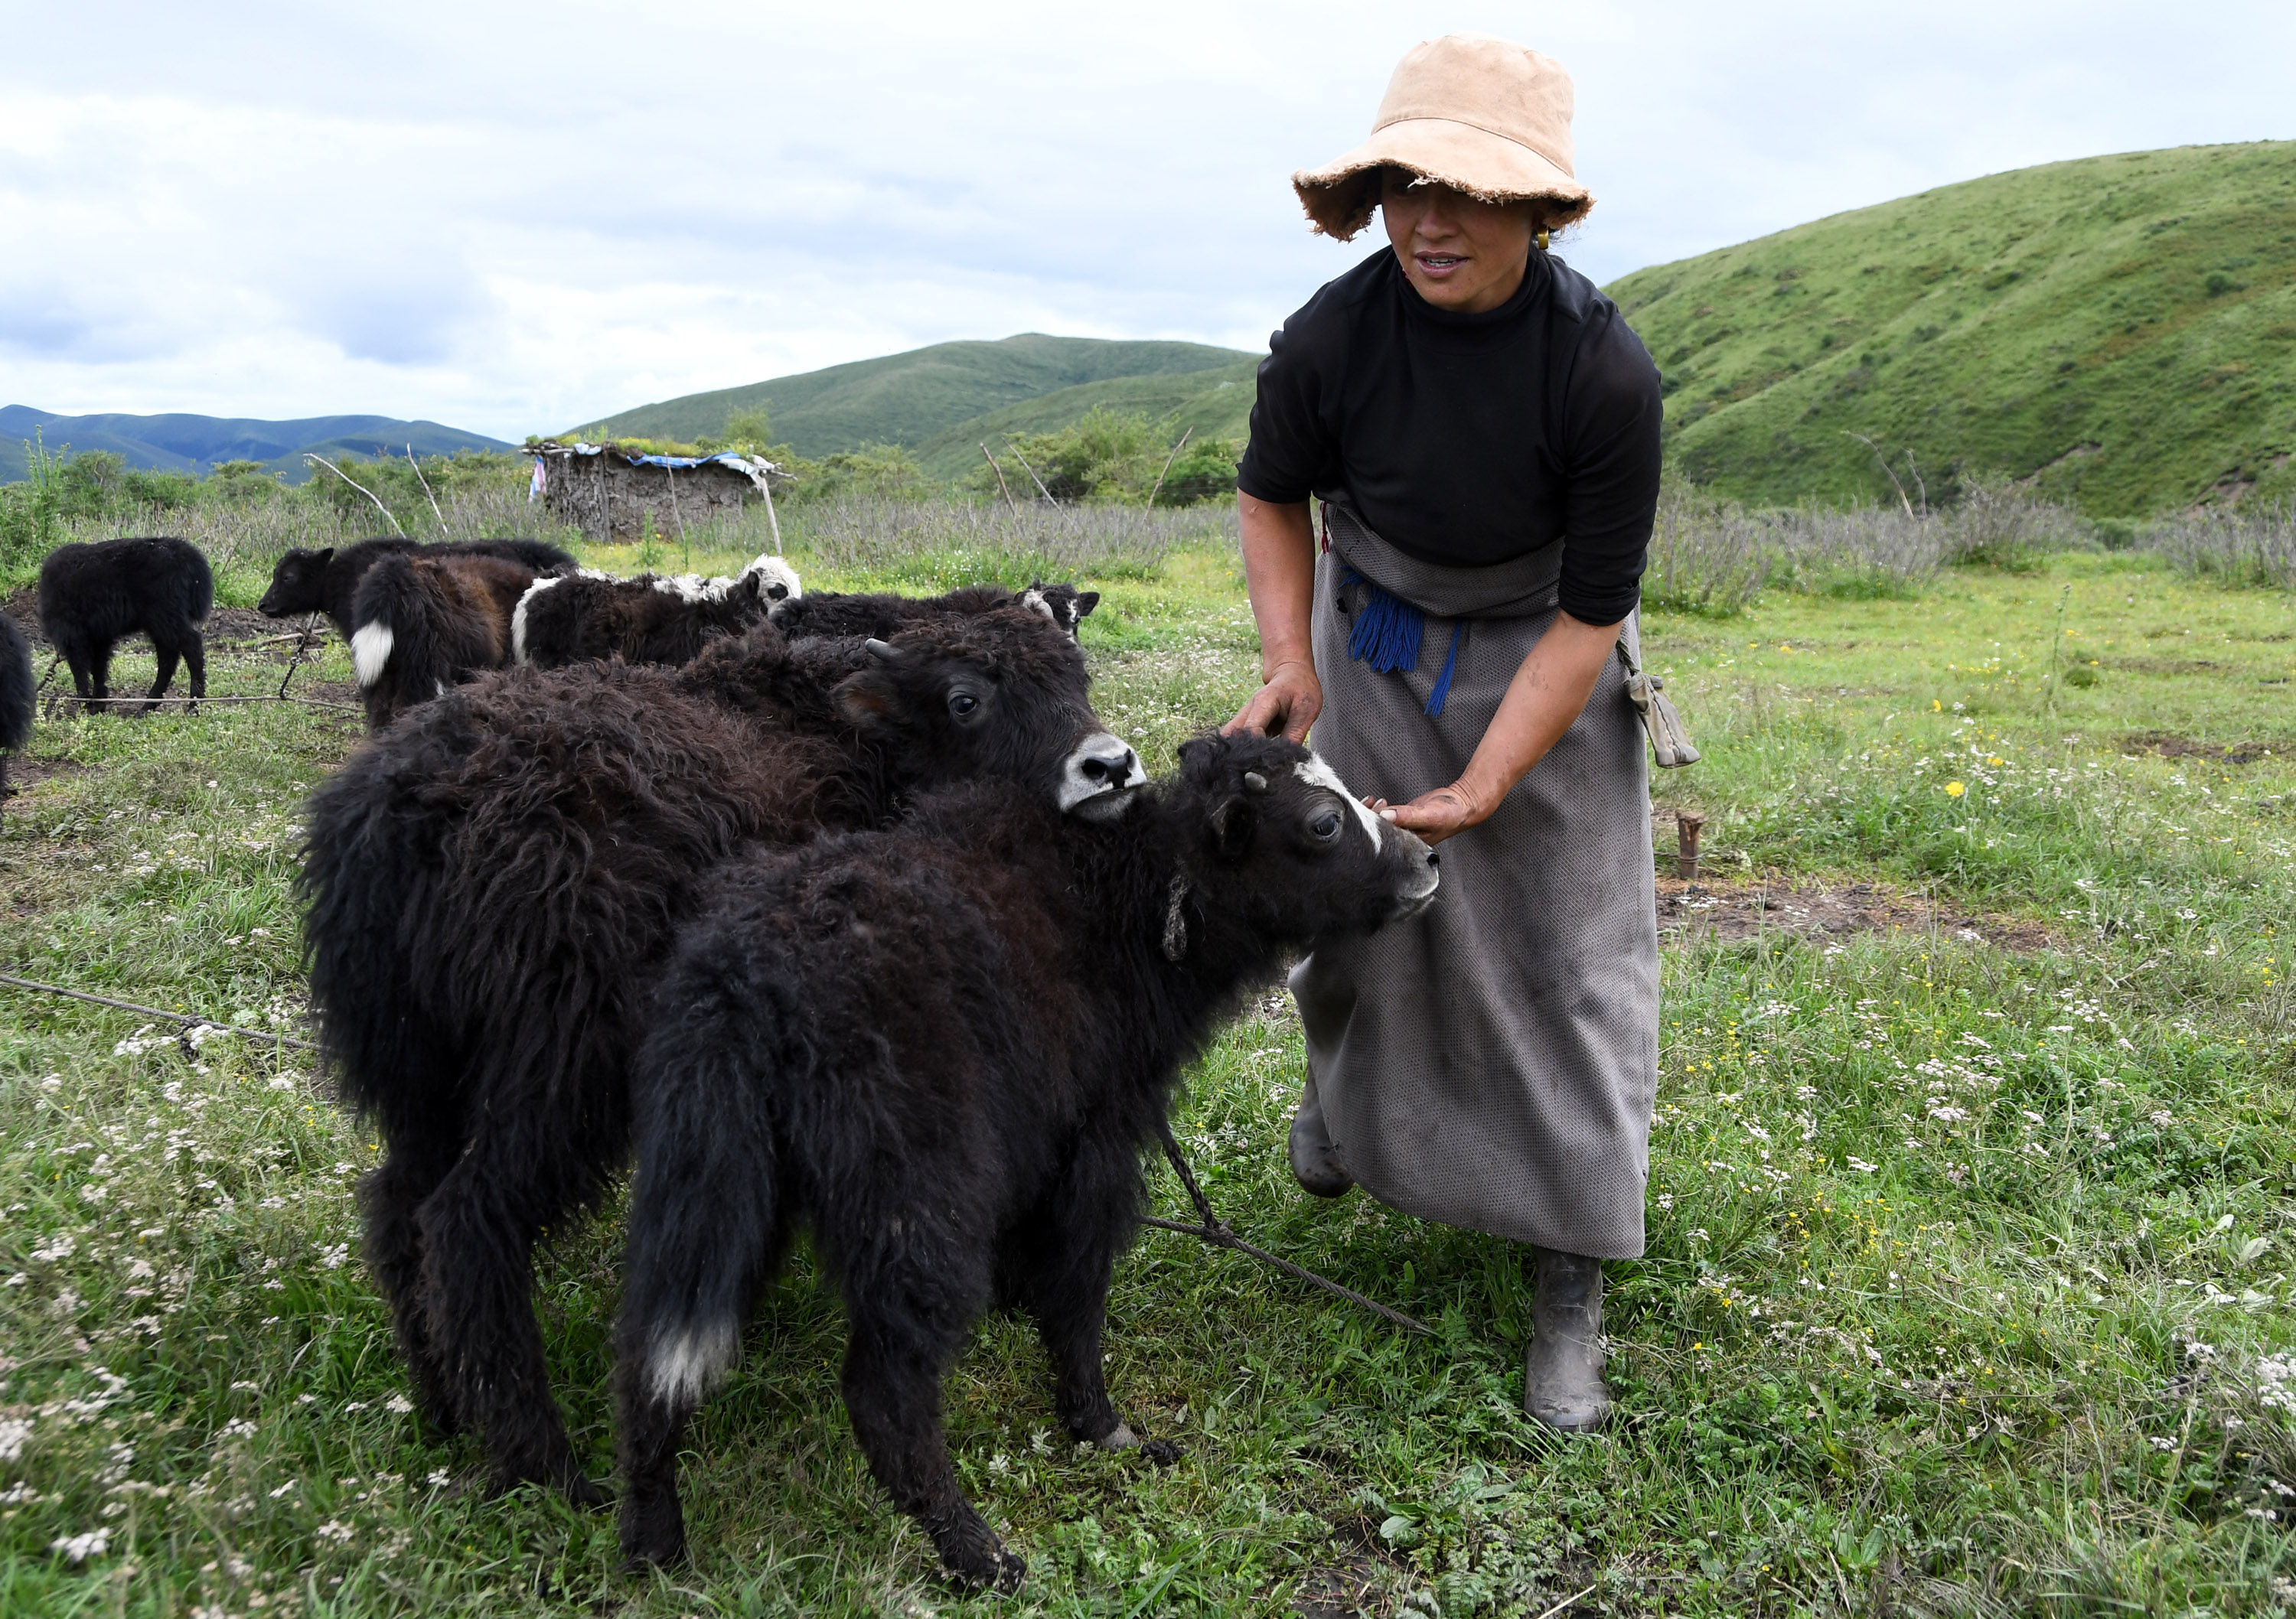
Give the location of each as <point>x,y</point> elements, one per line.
<point>1483,116</point>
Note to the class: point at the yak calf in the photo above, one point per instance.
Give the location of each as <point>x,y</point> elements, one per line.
<point>841,614</point>
<point>653,618</point>
<point>943,1047</point>
<point>327,580</point>
<point>91,595</point>
<point>421,623</point>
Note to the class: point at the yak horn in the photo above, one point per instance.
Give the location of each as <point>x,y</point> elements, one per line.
<point>884,651</point>
<point>1254,782</point>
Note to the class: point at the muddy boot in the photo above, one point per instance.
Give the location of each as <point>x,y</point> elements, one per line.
<point>1563,1376</point>
<point>1315,1160</point>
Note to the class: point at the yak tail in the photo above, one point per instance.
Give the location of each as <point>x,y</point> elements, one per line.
<point>199,586</point>
<point>704,1231</point>
<point>398,647</point>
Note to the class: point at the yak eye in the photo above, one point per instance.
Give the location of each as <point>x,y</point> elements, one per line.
<point>1326,826</point>
<point>962,703</point>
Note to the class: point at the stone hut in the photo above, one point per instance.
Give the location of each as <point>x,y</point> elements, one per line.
<point>608,491</point>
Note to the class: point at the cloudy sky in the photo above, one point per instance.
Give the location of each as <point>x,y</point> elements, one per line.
<point>517,219</point>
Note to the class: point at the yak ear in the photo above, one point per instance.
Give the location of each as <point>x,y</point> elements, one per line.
<point>326,556</point>
<point>1232,825</point>
<point>1086,602</point>
<point>865,699</point>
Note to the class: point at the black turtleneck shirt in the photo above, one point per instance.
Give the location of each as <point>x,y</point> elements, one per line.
<point>1470,440</point>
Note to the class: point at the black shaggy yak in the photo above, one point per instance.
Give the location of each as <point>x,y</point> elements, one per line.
<point>492,884</point>
<point>327,581</point>
<point>943,1048</point>
<point>653,618</point>
<point>18,693</point>
<point>421,624</point>
<point>91,595</point>
<point>839,614</point>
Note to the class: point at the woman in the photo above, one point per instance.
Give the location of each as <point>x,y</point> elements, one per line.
<point>1482,431</point>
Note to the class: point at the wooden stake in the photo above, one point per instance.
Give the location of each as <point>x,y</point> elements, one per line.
<point>1168,460</point>
<point>1031,471</point>
<point>1000,481</point>
<point>426,489</point>
<point>1687,823</point>
<point>361,487</point>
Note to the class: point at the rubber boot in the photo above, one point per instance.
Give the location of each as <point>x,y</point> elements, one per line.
<point>1316,1161</point>
<point>1563,1376</point>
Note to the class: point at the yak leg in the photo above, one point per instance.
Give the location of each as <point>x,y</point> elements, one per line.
<point>195,660</point>
<point>390,1194</point>
<point>167,658</point>
<point>1062,1262</point>
<point>478,1232</point>
<point>893,1368</point>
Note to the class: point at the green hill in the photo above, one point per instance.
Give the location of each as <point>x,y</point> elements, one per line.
<point>907,398</point>
<point>1217,403</point>
<point>2120,331</point>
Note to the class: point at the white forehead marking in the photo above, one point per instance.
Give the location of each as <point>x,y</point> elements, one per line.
<point>1316,773</point>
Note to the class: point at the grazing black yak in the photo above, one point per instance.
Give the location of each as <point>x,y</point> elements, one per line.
<point>18,693</point>
<point>492,884</point>
<point>327,580</point>
<point>653,618</point>
<point>942,1047</point>
<point>93,594</point>
<point>421,623</point>
<point>838,614</point>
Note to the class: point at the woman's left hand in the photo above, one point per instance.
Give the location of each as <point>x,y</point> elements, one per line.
<point>1434,815</point>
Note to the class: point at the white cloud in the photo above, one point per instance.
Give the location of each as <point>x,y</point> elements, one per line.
<point>512,219</point>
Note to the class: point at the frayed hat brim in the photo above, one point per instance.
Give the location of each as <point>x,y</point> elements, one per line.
<point>1342,197</point>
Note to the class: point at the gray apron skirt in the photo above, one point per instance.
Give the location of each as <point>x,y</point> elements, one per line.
<point>1491,1063</point>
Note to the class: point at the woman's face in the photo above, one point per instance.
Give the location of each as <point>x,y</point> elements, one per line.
<point>1461,255</point>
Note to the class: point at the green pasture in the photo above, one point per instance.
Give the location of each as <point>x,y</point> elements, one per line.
<point>1968,1281</point>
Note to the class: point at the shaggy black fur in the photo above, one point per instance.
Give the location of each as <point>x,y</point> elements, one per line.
<point>327,581</point>
<point>18,693</point>
<point>646,619</point>
<point>91,595</point>
<point>837,614</point>
<point>492,884</point>
<point>421,624</point>
<point>944,1047</point>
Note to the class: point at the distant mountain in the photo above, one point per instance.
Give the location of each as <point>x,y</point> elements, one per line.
<point>1215,403</point>
<point>909,398</point>
<point>194,444</point>
<point>2118,331</point>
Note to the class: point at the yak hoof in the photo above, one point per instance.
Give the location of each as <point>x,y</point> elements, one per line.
<point>589,1494</point>
<point>1000,1572</point>
<point>1163,1453</point>
<point>1118,1438</point>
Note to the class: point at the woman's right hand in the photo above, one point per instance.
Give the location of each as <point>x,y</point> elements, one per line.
<point>1287,703</point>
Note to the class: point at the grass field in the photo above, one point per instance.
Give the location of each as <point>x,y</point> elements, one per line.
<point>1972,1223</point>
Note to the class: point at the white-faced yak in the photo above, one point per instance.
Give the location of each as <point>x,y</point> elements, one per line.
<point>837,614</point>
<point>942,1048</point>
<point>653,618</point>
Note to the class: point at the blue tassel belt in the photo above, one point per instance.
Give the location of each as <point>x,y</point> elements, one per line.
<point>1386,634</point>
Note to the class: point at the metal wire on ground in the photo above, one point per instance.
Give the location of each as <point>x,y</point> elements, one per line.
<point>187,1019</point>
<point>1219,1233</point>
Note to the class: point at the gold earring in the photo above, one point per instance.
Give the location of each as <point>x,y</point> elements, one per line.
<point>1542,241</point>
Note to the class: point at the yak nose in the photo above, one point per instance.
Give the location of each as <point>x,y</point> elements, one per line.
<point>1100,765</point>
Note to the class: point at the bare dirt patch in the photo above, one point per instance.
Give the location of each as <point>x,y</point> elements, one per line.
<point>1737,908</point>
<point>1351,1578</point>
<point>2172,746</point>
